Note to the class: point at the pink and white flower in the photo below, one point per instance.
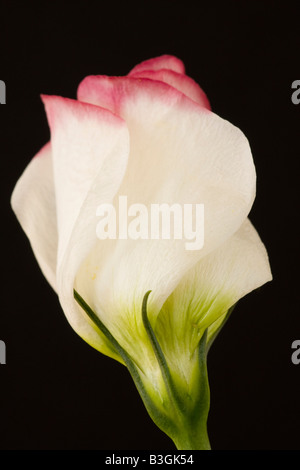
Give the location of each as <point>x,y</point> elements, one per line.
<point>151,136</point>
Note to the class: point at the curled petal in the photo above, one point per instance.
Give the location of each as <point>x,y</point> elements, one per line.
<point>33,201</point>
<point>82,138</point>
<point>189,156</point>
<point>165,61</point>
<point>206,293</point>
<point>85,141</point>
<point>181,82</point>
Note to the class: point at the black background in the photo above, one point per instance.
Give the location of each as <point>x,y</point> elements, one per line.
<point>56,392</point>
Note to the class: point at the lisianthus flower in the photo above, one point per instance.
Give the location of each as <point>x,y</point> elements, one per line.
<point>149,303</point>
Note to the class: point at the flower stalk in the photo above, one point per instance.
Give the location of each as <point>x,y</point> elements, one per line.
<point>186,425</point>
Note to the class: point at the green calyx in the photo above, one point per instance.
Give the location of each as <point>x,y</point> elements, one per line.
<point>178,409</point>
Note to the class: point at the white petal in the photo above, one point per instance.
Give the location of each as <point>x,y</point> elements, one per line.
<point>179,153</point>
<point>208,290</point>
<point>33,201</point>
<point>82,138</point>
<point>90,150</point>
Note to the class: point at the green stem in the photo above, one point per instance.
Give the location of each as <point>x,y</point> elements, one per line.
<point>191,432</point>
<point>194,435</point>
<point>185,425</point>
<point>199,441</point>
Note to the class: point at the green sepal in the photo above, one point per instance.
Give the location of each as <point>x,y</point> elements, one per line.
<point>162,420</point>
<point>167,377</point>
